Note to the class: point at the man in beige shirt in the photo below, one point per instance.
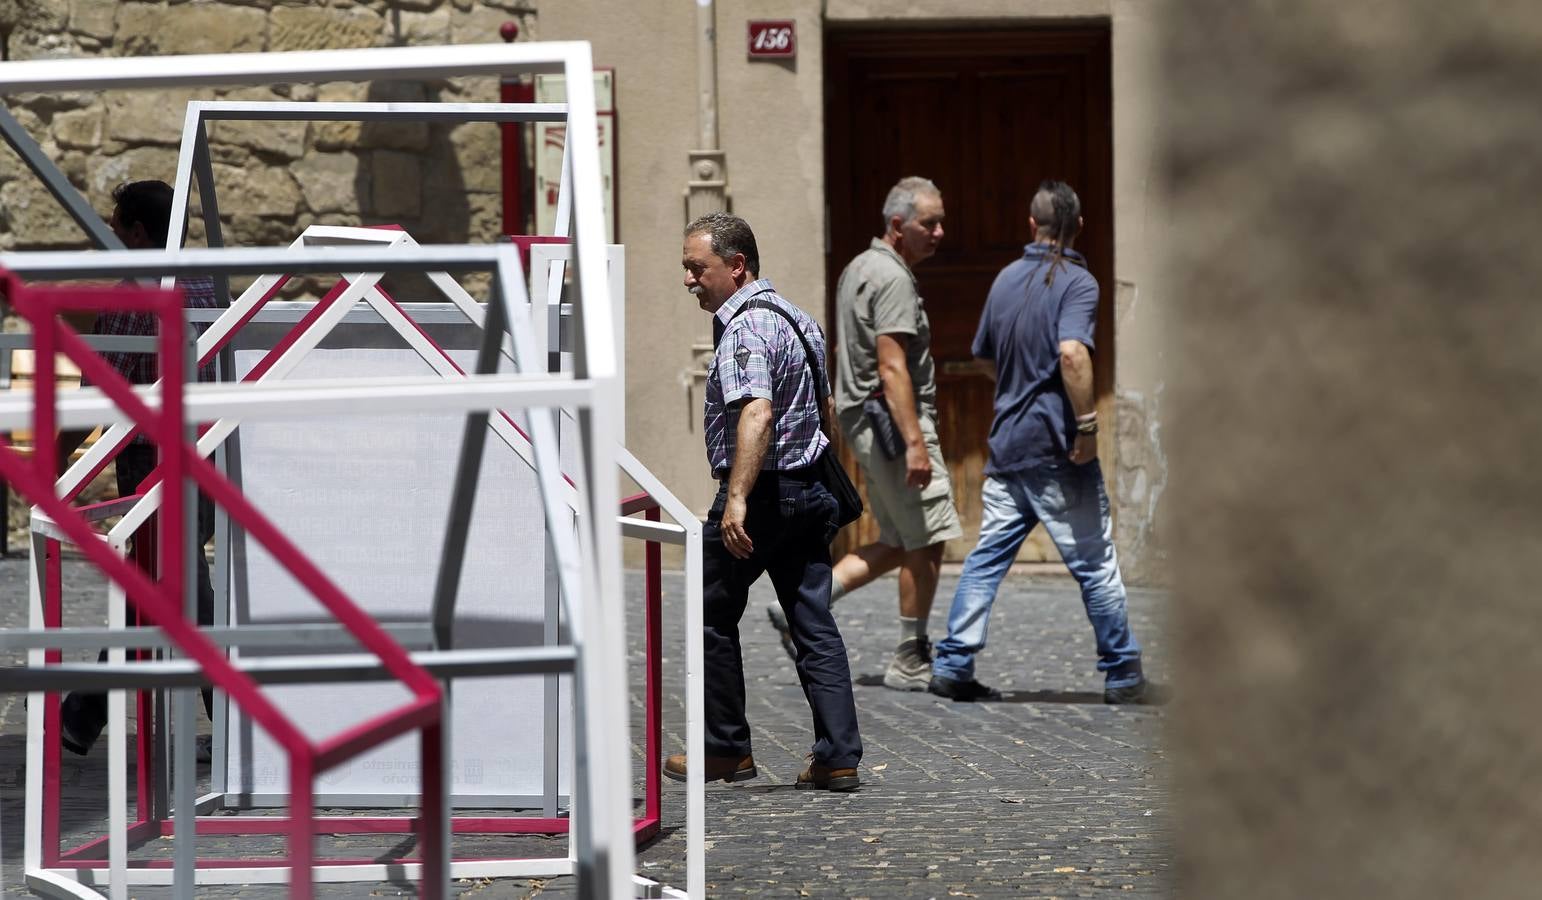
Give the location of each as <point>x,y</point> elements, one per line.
<point>885,361</point>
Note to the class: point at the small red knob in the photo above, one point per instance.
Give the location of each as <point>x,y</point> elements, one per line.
<point>509,31</point>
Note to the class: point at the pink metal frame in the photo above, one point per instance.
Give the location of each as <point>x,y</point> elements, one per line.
<point>148,827</point>
<point>160,600</point>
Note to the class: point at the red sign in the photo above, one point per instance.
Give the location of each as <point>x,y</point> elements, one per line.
<point>773,39</point>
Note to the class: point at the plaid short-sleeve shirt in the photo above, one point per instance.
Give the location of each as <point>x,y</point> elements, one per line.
<point>758,355</point>
<point>141,368</point>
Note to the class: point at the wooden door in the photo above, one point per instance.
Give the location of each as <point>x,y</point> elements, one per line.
<point>987,115</point>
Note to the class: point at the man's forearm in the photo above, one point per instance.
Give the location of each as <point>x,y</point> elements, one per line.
<point>752,439</point>
<point>1076,375</point>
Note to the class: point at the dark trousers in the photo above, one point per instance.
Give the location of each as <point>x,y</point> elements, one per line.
<point>87,712</point>
<point>790,522</point>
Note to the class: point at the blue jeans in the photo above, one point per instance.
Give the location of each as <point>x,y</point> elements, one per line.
<point>1073,505</point>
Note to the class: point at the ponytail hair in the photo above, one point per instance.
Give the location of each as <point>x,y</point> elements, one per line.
<point>1056,209</point>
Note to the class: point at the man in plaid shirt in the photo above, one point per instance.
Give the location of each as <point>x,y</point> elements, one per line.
<point>141,217</point>
<point>772,514</point>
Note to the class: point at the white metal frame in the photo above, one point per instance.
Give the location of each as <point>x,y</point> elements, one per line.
<point>603,851</point>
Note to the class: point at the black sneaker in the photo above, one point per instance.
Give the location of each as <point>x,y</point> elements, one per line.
<point>1131,694</point>
<point>962,691</point>
<point>779,622</point>
<point>72,739</point>
<point>78,726</point>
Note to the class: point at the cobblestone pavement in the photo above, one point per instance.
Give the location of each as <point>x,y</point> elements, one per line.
<point>1049,794</point>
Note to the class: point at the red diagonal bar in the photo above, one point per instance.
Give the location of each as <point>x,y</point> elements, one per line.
<point>442,352</point>
<point>161,602</point>
<point>241,323</point>
<point>263,365</point>
<point>202,361</point>
<point>219,489</point>
<point>272,356</point>
<point>359,738</point>
<point>162,611</point>
<point>355,620</point>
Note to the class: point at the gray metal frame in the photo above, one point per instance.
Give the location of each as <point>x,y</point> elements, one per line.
<point>503,262</point>
<point>603,849</point>
<point>436,633</point>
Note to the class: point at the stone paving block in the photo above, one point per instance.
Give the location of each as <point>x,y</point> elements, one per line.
<point>1051,794</point>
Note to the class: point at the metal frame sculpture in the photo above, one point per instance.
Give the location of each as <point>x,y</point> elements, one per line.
<point>589,572</point>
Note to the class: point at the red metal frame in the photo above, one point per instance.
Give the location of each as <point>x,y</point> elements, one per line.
<point>423,713</point>
<point>511,135</point>
<point>160,600</point>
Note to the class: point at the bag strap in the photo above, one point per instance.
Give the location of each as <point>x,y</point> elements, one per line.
<point>821,389</point>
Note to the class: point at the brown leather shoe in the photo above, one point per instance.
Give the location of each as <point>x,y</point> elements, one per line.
<point>719,768</point>
<point>825,778</point>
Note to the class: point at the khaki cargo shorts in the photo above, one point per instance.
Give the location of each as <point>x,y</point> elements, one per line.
<point>906,517</point>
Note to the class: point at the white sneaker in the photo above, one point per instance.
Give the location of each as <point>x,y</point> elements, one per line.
<point>911,667</point>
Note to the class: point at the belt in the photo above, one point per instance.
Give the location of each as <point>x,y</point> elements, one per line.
<point>803,474</point>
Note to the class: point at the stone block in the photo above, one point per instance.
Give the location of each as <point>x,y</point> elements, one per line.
<point>96,18</point>
<point>319,28</point>
<point>330,183</point>
<point>267,192</point>
<point>342,91</point>
<point>30,217</point>
<point>51,103</point>
<point>230,154</point>
<point>36,16</point>
<point>397,184</point>
<point>480,24</point>
<point>283,139</point>
<point>30,43</point>
<point>478,156</point>
<point>149,116</point>
<point>149,29</point>
<point>425,28</point>
<point>133,164</point>
<point>255,231</point>
<point>79,128</point>
<point>332,136</point>
<point>394,135</point>
<point>335,135</point>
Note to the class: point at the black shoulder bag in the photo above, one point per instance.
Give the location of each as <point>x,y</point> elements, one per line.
<point>848,503</point>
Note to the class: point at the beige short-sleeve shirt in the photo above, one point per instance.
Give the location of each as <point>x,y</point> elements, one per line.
<point>877,294</point>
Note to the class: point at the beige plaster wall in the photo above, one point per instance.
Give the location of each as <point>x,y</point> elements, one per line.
<point>771,117</point>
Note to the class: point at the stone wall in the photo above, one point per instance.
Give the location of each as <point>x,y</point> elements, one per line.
<point>1355,484</point>
<point>440,182</point>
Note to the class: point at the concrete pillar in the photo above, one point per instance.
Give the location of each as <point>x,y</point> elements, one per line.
<point>1357,490</point>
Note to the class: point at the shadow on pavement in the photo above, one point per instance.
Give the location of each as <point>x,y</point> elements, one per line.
<point>1158,696</point>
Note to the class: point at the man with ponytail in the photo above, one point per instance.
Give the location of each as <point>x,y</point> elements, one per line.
<point>1037,331</point>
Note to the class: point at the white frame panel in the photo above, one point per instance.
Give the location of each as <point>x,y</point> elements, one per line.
<point>603,852</point>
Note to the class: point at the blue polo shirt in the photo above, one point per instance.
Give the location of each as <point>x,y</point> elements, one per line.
<point>1020,331</point>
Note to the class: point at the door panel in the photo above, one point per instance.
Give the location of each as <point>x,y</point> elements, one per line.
<point>987,115</point>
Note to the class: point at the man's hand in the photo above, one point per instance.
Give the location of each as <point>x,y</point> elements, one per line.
<point>918,466</point>
<point>1085,450</point>
<point>735,538</point>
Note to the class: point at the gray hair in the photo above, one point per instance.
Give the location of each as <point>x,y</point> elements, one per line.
<point>729,235</point>
<point>902,198</point>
